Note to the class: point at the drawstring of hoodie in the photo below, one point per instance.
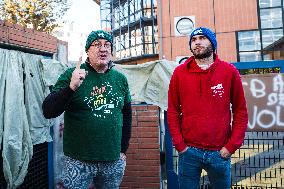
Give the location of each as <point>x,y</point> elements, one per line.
<point>200,81</point>
<point>200,85</point>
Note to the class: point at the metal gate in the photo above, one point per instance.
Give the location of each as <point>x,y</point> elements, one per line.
<point>259,163</point>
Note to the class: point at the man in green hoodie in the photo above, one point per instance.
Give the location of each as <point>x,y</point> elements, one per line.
<point>97,118</point>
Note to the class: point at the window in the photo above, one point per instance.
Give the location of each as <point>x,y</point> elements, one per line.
<point>250,56</point>
<point>132,11</point>
<point>254,45</point>
<point>271,18</point>
<point>249,40</point>
<point>269,3</point>
<point>133,36</point>
<point>117,43</point>
<point>270,36</point>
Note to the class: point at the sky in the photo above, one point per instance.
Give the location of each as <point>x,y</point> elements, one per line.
<point>86,17</point>
<point>86,13</point>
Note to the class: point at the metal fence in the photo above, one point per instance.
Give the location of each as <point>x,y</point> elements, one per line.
<point>37,176</point>
<point>259,163</point>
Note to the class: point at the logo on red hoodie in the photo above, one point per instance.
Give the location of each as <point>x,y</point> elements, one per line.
<point>218,90</point>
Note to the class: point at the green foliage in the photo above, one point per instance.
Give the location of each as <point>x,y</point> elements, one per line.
<point>41,15</point>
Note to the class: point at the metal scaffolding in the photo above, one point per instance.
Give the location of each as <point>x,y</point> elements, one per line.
<point>133,24</point>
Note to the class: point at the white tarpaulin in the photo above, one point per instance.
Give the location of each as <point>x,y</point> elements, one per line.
<point>52,69</point>
<point>23,86</point>
<point>149,82</point>
<point>17,142</point>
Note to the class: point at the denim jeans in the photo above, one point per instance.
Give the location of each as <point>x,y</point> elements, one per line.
<point>105,175</point>
<point>191,163</point>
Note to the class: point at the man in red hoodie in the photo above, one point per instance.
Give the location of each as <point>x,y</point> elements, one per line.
<point>207,114</point>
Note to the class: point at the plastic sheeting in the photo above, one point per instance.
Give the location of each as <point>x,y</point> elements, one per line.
<point>35,91</point>
<point>52,69</point>
<point>22,125</point>
<point>149,82</point>
<point>3,74</point>
<point>17,144</point>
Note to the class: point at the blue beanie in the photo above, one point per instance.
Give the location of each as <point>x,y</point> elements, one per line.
<point>207,33</point>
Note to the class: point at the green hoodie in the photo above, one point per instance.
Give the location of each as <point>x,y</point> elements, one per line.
<point>93,118</point>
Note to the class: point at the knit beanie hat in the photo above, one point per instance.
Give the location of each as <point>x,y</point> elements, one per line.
<point>95,35</point>
<point>207,33</point>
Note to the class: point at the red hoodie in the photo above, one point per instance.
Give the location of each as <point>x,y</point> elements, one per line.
<point>199,111</point>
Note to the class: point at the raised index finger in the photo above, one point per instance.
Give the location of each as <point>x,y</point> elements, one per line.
<point>78,65</point>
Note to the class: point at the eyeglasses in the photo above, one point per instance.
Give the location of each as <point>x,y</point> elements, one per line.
<point>99,45</point>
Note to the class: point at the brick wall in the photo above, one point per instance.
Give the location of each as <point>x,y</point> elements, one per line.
<point>14,34</point>
<point>143,155</point>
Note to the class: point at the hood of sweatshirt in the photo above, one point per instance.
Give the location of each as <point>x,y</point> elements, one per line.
<point>203,75</point>
<point>193,66</point>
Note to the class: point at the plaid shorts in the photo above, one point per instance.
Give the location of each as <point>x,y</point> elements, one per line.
<point>104,175</point>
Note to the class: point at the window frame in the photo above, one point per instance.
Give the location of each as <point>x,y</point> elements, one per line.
<point>261,31</point>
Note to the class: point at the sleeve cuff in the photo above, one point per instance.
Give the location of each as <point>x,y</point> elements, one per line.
<point>180,147</point>
<point>231,148</point>
<point>123,150</point>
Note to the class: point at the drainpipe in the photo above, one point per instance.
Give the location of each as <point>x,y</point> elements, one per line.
<point>159,6</point>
